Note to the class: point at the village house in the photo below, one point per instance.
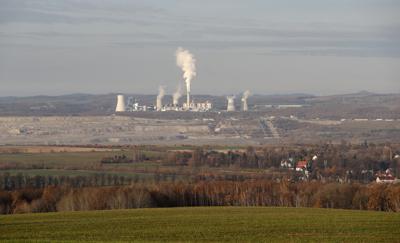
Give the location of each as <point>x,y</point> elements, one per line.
<point>287,163</point>
<point>301,165</point>
<point>386,177</point>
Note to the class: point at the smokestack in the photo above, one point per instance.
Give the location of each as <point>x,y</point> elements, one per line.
<point>188,99</point>
<point>186,61</point>
<point>120,104</point>
<point>160,96</point>
<point>231,103</point>
<point>177,95</point>
<point>246,95</point>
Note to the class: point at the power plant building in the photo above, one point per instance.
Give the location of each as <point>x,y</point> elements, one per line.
<point>202,106</point>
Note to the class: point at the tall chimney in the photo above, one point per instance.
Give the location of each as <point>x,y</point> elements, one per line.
<point>188,100</point>
<point>120,104</point>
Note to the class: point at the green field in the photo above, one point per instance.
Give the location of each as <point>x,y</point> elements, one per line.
<point>60,172</point>
<point>89,164</point>
<point>74,164</point>
<point>59,159</point>
<point>205,224</point>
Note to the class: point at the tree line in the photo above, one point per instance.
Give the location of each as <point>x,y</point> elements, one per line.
<point>21,181</point>
<point>341,160</point>
<point>284,193</point>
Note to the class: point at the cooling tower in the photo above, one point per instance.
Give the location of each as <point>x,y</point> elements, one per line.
<point>231,103</point>
<point>160,96</point>
<point>245,96</point>
<point>176,96</point>
<point>120,104</point>
<point>245,106</point>
<point>175,102</point>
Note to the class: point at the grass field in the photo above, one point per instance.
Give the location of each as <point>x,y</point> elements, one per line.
<point>205,224</point>
<point>72,173</point>
<point>75,160</point>
<point>59,159</point>
<point>72,163</point>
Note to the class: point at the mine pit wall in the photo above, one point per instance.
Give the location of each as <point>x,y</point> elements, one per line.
<point>115,130</point>
<point>96,129</point>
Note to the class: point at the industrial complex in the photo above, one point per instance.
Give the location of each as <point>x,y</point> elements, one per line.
<point>133,105</point>
<point>186,61</point>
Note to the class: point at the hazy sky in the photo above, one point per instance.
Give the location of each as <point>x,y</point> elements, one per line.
<point>102,46</point>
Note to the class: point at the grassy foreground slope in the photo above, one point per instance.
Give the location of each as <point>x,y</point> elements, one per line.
<point>204,224</point>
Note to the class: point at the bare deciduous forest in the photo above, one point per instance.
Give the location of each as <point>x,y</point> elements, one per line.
<point>333,176</point>
<point>381,197</point>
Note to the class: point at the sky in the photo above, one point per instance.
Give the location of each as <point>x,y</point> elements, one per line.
<point>316,47</point>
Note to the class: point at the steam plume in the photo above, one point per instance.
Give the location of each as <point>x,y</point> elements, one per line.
<point>161,93</point>
<point>186,61</point>
<point>177,95</point>
<point>246,94</point>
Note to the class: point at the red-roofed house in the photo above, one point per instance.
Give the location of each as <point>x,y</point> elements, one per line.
<point>301,165</point>
<point>386,177</point>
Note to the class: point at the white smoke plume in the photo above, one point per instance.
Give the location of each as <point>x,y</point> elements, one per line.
<point>186,61</point>
<point>160,96</point>
<point>177,95</point>
<point>246,95</point>
<point>161,92</point>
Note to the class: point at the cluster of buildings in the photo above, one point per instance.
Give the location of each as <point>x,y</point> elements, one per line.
<point>305,167</point>
<point>133,105</point>
<point>205,106</point>
<point>300,166</point>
